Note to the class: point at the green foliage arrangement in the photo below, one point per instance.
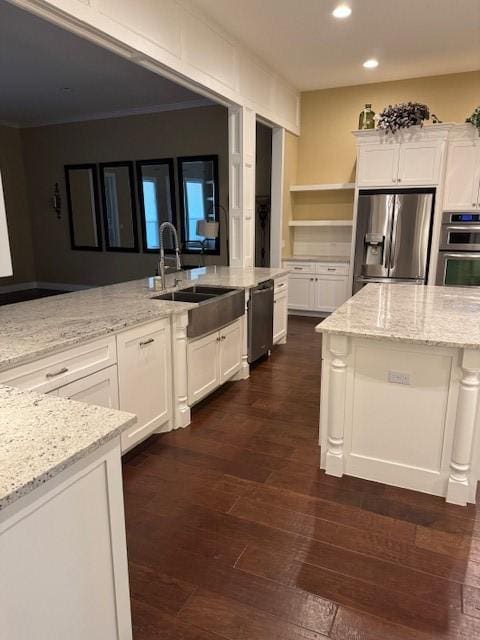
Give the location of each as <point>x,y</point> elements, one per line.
<point>475,119</point>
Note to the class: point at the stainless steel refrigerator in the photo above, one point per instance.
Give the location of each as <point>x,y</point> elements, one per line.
<point>392,241</point>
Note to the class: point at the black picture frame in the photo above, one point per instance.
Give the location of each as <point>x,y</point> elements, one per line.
<point>131,177</point>
<point>68,168</point>
<point>216,204</point>
<point>171,172</point>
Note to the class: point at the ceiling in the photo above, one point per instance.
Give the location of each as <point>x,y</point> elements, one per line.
<point>48,75</point>
<point>305,44</point>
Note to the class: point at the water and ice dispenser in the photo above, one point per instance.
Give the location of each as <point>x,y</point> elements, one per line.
<point>374,246</point>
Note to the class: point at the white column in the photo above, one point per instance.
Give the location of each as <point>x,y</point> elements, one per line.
<point>459,481</point>
<point>244,372</point>
<point>338,347</point>
<point>241,143</point>
<point>180,380</point>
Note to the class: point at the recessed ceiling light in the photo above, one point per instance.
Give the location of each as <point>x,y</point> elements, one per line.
<point>370,64</point>
<point>342,11</point>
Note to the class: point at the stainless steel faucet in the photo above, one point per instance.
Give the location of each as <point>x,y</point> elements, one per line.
<point>161,264</point>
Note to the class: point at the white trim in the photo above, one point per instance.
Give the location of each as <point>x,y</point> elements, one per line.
<point>238,80</point>
<point>121,113</point>
<point>323,187</point>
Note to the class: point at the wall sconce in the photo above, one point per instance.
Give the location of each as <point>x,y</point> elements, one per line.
<point>56,201</point>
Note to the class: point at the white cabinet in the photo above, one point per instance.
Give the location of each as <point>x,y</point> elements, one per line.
<point>462,180</point>
<point>330,292</point>
<point>280,316</point>
<point>62,368</point>
<point>145,379</point>
<point>413,157</point>
<point>323,288</point>
<point>230,352</point>
<point>212,360</point>
<point>203,369</point>
<point>100,388</point>
<point>301,291</point>
<point>377,164</point>
<point>419,163</point>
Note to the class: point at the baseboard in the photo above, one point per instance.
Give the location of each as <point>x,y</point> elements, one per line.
<point>308,314</point>
<point>58,286</point>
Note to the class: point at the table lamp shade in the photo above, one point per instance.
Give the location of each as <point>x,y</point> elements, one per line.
<point>207,229</point>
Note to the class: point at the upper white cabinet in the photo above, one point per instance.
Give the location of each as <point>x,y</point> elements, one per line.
<point>420,162</point>
<point>145,378</point>
<point>462,179</point>
<point>5,257</point>
<point>409,158</point>
<point>377,164</point>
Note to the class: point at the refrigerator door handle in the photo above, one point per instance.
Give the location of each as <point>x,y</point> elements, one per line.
<point>393,241</point>
<point>388,236</point>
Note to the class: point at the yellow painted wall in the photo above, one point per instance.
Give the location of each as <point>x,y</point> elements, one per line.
<point>326,147</point>
<point>325,150</point>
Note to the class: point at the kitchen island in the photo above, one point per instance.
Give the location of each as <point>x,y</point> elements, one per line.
<point>400,389</point>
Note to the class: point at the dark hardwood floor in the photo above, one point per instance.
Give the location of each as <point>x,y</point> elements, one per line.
<point>235,533</point>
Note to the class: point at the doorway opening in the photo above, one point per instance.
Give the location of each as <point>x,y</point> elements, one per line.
<point>263,194</point>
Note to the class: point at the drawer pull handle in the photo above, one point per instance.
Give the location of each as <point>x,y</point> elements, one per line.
<point>145,342</point>
<point>54,374</point>
<point>281,285</point>
<point>331,269</point>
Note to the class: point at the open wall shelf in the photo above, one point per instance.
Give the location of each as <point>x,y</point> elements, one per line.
<point>323,187</point>
<point>320,223</point>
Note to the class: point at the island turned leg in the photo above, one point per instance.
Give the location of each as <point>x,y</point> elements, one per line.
<point>338,347</point>
<point>458,489</point>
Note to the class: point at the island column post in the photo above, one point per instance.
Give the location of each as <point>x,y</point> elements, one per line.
<point>338,346</point>
<point>458,489</point>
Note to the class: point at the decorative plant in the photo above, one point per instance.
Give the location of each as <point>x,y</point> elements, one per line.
<point>401,116</point>
<point>475,119</point>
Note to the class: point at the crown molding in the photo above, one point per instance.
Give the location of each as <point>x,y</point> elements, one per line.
<point>119,113</point>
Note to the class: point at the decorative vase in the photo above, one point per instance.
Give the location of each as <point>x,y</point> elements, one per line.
<point>367,118</point>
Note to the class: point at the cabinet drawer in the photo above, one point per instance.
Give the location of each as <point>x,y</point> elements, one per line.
<point>300,267</point>
<point>280,284</point>
<point>332,269</point>
<point>62,368</point>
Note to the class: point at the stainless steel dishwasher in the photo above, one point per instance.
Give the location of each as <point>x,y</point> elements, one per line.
<point>260,320</point>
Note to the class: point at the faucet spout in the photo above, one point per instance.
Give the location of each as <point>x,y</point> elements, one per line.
<point>161,264</point>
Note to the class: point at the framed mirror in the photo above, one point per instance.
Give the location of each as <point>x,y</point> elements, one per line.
<point>156,194</point>
<point>199,202</point>
<point>83,206</point>
<point>119,211</point>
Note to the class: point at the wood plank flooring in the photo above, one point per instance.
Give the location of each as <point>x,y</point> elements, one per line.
<point>235,533</point>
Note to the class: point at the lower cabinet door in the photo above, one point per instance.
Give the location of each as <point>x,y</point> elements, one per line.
<point>100,388</point>
<point>280,316</point>
<point>330,292</point>
<point>301,291</point>
<point>145,379</point>
<point>203,370</point>
<point>230,351</point>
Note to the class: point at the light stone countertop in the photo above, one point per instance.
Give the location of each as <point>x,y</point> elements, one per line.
<point>431,315</point>
<point>31,330</point>
<point>41,435</point>
<point>342,259</point>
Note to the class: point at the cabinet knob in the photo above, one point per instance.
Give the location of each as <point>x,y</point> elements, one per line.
<point>399,180</point>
